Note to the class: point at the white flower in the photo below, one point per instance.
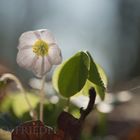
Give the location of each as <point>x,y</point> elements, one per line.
<point>38,51</point>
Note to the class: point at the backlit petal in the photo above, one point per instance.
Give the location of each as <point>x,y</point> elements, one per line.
<point>55,55</point>
<point>47,36</point>
<point>27,39</point>
<point>41,66</point>
<point>25,58</point>
<point>28,57</point>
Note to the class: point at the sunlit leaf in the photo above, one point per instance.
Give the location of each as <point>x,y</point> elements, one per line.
<point>97,77</point>
<point>17,103</point>
<point>70,77</point>
<point>20,105</point>
<point>6,103</point>
<point>79,74</point>
<point>102,75</point>
<point>86,88</point>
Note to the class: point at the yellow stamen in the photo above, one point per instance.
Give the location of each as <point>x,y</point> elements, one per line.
<point>40,48</point>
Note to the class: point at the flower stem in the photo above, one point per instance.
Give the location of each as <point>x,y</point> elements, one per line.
<point>42,95</point>
<point>67,109</point>
<point>20,87</point>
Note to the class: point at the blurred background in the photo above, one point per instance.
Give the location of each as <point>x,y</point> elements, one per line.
<point>109,29</point>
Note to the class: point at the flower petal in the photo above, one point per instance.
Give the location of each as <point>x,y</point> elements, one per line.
<point>27,39</point>
<point>25,58</point>
<point>47,36</point>
<point>29,60</point>
<point>41,66</point>
<point>55,55</point>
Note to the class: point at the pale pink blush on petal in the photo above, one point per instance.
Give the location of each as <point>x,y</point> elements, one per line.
<point>37,67</point>
<point>25,47</point>
<point>55,55</point>
<point>25,58</point>
<point>47,36</point>
<point>37,34</point>
<point>41,66</point>
<point>27,38</point>
<point>47,64</point>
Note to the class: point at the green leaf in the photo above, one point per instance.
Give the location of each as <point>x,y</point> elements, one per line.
<point>70,77</point>
<point>102,75</point>
<point>96,76</point>
<point>78,75</point>
<point>18,104</point>
<point>85,90</point>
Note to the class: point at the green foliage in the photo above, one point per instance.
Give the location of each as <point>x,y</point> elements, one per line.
<point>70,77</point>
<point>18,104</point>
<point>14,110</point>
<point>96,78</point>
<point>78,74</point>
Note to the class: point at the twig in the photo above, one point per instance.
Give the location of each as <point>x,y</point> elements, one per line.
<point>72,126</point>
<point>84,113</point>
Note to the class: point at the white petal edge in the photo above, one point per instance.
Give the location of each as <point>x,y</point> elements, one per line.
<point>55,56</point>
<point>27,38</point>
<point>47,36</point>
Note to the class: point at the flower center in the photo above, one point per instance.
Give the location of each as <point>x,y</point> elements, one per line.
<point>40,48</point>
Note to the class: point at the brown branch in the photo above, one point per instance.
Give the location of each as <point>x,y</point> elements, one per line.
<point>92,96</point>
<point>72,126</point>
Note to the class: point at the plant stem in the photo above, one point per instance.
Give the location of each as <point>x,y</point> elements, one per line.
<point>42,95</point>
<point>67,109</point>
<point>20,87</point>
